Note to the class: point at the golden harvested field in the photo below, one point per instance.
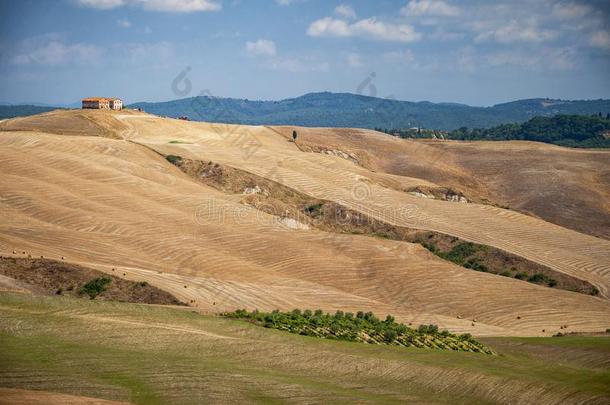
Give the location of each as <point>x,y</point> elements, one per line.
<point>566,186</point>
<point>111,200</point>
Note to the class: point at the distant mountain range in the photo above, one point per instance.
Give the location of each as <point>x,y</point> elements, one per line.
<point>353,110</point>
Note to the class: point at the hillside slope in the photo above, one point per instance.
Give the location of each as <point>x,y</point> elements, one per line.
<point>564,186</point>
<point>109,203</point>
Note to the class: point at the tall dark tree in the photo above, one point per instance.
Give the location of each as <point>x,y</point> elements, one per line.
<point>294,136</point>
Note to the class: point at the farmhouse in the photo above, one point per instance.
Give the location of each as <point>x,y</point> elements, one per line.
<point>101,103</point>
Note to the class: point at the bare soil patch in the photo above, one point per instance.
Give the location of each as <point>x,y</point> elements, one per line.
<point>53,277</point>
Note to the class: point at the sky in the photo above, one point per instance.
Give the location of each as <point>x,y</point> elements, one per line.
<point>477,52</point>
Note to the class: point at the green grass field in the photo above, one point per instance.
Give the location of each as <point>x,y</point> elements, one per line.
<point>151,354</point>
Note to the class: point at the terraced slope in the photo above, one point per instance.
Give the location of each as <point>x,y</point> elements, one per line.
<point>111,204</point>
<point>568,187</point>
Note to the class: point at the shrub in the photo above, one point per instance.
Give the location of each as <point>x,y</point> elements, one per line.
<point>537,278</point>
<point>314,209</point>
<point>360,315</point>
<point>95,287</point>
<point>173,159</point>
<point>506,273</point>
<point>307,313</point>
<point>521,276</point>
<point>390,335</point>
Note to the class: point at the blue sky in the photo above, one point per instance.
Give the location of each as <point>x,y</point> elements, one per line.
<point>474,51</point>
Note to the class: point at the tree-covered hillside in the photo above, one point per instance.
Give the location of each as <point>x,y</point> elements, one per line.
<point>353,110</point>
<point>11,111</point>
<point>566,130</point>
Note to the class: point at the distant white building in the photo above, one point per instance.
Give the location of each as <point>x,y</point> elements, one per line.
<point>116,104</point>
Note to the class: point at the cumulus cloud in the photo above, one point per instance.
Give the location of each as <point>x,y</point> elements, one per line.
<point>261,47</point>
<point>562,58</point>
<point>176,6</point>
<point>571,10</point>
<point>50,50</point>
<point>345,11</point>
<point>515,31</point>
<point>101,4</point>
<point>429,7</point>
<point>370,28</point>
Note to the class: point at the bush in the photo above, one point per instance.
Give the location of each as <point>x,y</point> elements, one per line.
<point>537,278</point>
<point>173,159</point>
<point>390,335</point>
<point>521,276</point>
<point>95,287</point>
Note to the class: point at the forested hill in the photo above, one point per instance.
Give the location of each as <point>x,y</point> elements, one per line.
<point>352,110</point>
<point>11,111</point>
<point>566,130</point>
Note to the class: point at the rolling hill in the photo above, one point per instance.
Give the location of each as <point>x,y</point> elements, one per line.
<point>353,110</point>
<point>96,188</point>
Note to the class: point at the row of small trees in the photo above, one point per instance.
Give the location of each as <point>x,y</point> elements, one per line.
<point>361,326</point>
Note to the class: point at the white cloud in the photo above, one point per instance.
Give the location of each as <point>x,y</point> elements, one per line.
<point>563,58</point>
<point>261,47</point>
<point>600,39</point>
<point>123,23</point>
<point>345,11</point>
<point>101,4</point>
<point>516,31</point>
<point>429,7</point>
<point>571,10</point>
<point>368,28</point>
<point>176,6</point>
<point>50,50</point>
<point>353,60</point>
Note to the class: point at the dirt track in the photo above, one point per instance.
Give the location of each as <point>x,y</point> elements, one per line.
<point>110,203</point>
